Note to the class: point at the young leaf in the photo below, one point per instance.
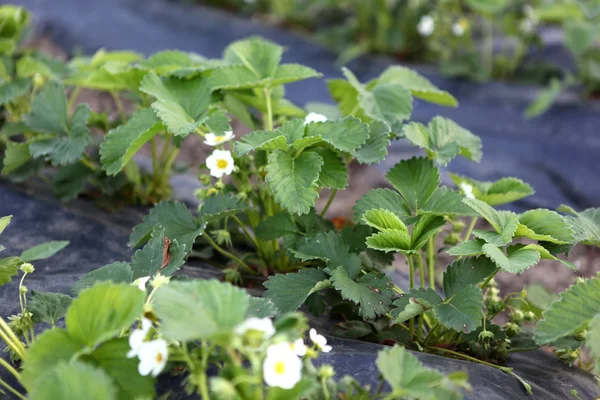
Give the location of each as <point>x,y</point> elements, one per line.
<point>346,134</point>
<point>463,311</point>
<point>370,291</point>
<point>381,198</point>
<point>445,201</point>
<point>426,227</point>
<point>544,225</point>
<point>292,180</point>
<point>465,272</point>
<point>467,248</point>
<point>416,179</point>
<point>418,85</point>
<point>375,148</point>
<point>172,217</point>
<point>9,267</point>
<point>103,311</point>
<point>383,220</point>
<point>10,91</point>
<point>502,191</point>
<point>504,222</point>
<point>276,226</point>
<point>577,305</point>
<point>48,307</point>
<point>220,205</point>
<point>261,57</point>
<point>120,144</point>
<point>391,240</point>
<point>71,180</point>
<point>414,302</point>
<point>387,102</point>
<point>289,291</point>
<point>15,155</point>
<point>42,251</point>
<point>517,260</point>
<point>585,224</point>
<point>260,140</point>
<point>197,310</point>
<point>117,272</point>
<point>328,247</point>
<point>4,222</point>
<point>334,174</point>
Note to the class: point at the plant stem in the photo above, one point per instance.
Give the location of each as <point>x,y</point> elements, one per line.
<point>154,158</point>
<point>329,201</point>
<point>269,121</point>
<point>88,163</point>
<point>470,228</point>
<point>73,98</point>
<point>246,232</point>
<point>487,281</point>
<point>227,254</point>
<point>430,334</point>
<point>203,379</point>
<point>10,369</point>
<point>7,334</point>
<point>12,390</point>
<point>421,268</point>
<point>411,269</point>
<point>119,104</point>
<point>431,260</point>
<point>22,299</point>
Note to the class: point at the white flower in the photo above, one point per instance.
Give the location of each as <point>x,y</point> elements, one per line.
<point>153,357</point>
<point>526,26</point>
<point>141,283</point>
<point>314,117</point>
<point>282,368</point>
<point>298,347</point>
<point>213,140</point>
<point>261,325</point>
<point>467,190</point>
<point>137,337</point>
<point>220,163</point>
<point>458,29</point>
<point>426,25</point>
<point>319,341</point>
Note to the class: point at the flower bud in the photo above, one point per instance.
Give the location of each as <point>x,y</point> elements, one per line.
<point>159,280</point>
<point>326,371</point>
<point>204,179</point>
<point>485,335</point>
<point>582,335</point>
<point>452,239</point>
<point>219,184</point>
<point>518,316</point>
<point>23,289</point>
<point>27,268</point>
<point>529,316</point>
<point>512,328</point>
<point>494,291</point>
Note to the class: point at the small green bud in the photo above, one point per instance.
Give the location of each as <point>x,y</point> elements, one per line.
<point>23,289</point>
<point>486,336</point>
<point>458,227</point>
<point>27,268</point>
<point>159,280</point>
<point>494,291</point>
<point>518,316</point>
<point>219,184</point>
<point>529,316</point>
<point>326,371</point>
<point>496,306</point>
<point>232,275</point>
<point>512,328</point>
<point>452,239</point>
<point>38,80</point>
<point>204,179</point>
<point>492,283</point>
<point>222,236</point>
<point>242,196</point>
<point>581,335</point>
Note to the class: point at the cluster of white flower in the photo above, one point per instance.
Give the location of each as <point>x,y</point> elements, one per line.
<point>531,20</point>
<point>314,117</point>
<point>153,354</point>
<point>467,190</point>
<point>426,25</point>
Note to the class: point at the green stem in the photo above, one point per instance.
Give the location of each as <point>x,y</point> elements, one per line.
<point>227,254</point>
<point>487,281</point>
<point>7,334</point>
<point>269,121</point>
<point>203,378</point>
<point>154,158</point>
<point>431,260</point>
<point>470,229</point>
<point>325,390</point>
<point>73,98</point>
<point>411,270</point>
<point>245,230</point>
<point>329,201</point>
<point>85,160</point>
<point>430,334</point>
<point>421,268</point>
<point>119,104</point>
<point>10,369</point>
<point>12,390</point>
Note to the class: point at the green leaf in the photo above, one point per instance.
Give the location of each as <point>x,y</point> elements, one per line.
<point>488,6</point>
<point>288,73</point>
<point>381,198</point>
<point>416,179</point>
<point>426,227</point>
<point>102,311</point>
<point>111,357</point>
<point>443,140</point>
<point>414,302</point>
<point>260,140</point>
<point>71,180</point>
<point>391,240</point>
<point>117,272</point>
<point>517,260</point>
<point>198,310</point>
<point>546,255</point>
<point>9,267</point>
<point>74,381</point>
<point>4,222</point>
<point>544,225</point>
<point>585,224</point>
<point>577,305</point>
<point>169,61</point>
<point>502,191</point>
<point>466,272</point>
<point>149,260</point>
<point>334,174</point>
<point>592,341</point>
<point>383,220</point>
<point>259,56</point>
<point>418,85</point>
<point>467,248</point>
<point>48,349</point>
<point>346,134</point>
<point>545,99</point>
<point>219,206</point>
<point>409,378</point>
<point>300,391</point>
<point>48,307</point>
<point>504,222</point>
<point>329,247</point>
<point>387,102</point>
<point>276,226</point>
<point>172,217</point>
<point>292,180</point>
<point>15,155</point>
<point>463,311</point>
<point>120,144</point>
<point>261,307</point>
<point>445,202</point>
<point>42,251</point>
<point>289,291</point>
<point>10,91</point>
<point>370,291</point>
<point>375,148</point>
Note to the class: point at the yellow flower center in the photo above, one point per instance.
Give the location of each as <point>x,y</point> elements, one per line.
<point>159,358</point>
<point>219,139</point>
<point>279,367</point>
<point>222,164</point>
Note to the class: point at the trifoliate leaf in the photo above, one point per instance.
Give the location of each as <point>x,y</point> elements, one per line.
<point>107,74</point>
<point>446,201</point>
<point>544,225</point>
<point>346,96</point>
<point>10,91</point>
<point>504,222</point>
<point>292,180</point>
<point>288,73</point>
<point>71,180</point>
<point>151,258</point>
<point>172,217</point>
<point>546,255</point>
<point>387,102</point>
<point>220,205</point>
<point>391,240</point>
<point>328,247</point>
<point>375,148</point>
<point>465,272</point>
<point>346,134</point>
<point>15,155</point>
<point>355,237</point>
<point>334,174</point>
<point>463,311</point>
<point>502,191</point>
<point>42,251</point>
<point>443,140</point>
<point>289,291</point>
<point>197,310</point>
<point>416,179</point>
<point>48,307</point>
<point>467,248</point>
<point>259,56</point>
<point>414,302</point>
<point>103,311</point>
<point>381,198</point>
<point>260,140</point>
<point>276,226</point>
<point>383,219</point>
<point>117,272</point>
<point>169,61</point>
<point>426,227</point>
<point>418,85</point>
<point>577,305</point>
<point>370,291</point>
<point>9,267</point>
<point>585,224</point>
<point>120,144</point>
<point>516,260</point>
